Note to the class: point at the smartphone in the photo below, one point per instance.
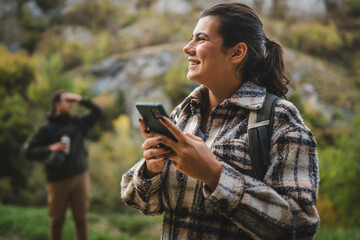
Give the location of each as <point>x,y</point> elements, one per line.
<point>152,112</point>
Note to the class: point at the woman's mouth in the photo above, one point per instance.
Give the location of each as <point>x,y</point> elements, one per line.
<point>192,62</point>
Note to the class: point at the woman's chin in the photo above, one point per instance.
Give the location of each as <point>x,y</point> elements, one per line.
<point>193,77</point>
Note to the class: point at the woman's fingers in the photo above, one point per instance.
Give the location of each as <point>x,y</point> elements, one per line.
<point>175,130</point>
<point>193,137</point>
<point>145,130</point>
<point>156,152</point>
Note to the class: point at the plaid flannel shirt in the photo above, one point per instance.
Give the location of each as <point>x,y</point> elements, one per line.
<point>241,207</point>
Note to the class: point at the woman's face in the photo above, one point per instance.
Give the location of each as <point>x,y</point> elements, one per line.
<point>209,63</point>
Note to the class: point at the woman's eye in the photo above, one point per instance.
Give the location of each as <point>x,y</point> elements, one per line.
<point>201,39</point>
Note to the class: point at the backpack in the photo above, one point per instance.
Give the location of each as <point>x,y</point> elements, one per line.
<point>260,126</point>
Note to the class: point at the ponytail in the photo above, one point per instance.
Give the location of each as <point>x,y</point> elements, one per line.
<point>264,63</point>
<point>273,75</point>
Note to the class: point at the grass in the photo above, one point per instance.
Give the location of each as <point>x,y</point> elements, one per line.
<point>33,224</point>
<point>326,233</point>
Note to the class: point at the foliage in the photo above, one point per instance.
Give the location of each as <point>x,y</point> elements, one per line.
<point>326,233</point>
<point>14,130</point>
<point>177,85</point>
<point>33,26</point>
<point>346,16</point>
<point>109,158</point>
<point>49,79</point>
<point>33,224</point>
<point>55,61</point>
<point>314,38</point>
<point>101,46</point>
<point>71,53</point>
<point>113,104</point>
<point>16,72</point>
<point>93,14</point>
<point>340,168</point>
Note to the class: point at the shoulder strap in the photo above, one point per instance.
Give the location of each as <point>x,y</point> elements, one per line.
<point>259,132</point>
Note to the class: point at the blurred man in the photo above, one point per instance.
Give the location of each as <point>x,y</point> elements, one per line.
<point>60,144</point>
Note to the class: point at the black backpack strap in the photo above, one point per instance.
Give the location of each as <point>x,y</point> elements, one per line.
<point>259,133</point>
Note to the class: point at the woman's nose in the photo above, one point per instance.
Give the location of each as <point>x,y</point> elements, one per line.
<point>189,49</point>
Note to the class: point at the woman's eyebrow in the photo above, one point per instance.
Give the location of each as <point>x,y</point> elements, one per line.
<point>200,33</point>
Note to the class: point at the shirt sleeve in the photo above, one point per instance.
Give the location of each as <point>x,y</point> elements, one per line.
<point>142,193</point>
<point>37,148</point>
<point>283,206</point>
<point>96,113</point>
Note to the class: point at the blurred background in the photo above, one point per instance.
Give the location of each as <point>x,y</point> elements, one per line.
<point>122,51</point>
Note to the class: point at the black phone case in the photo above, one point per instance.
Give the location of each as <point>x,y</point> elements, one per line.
<point>151,112</point>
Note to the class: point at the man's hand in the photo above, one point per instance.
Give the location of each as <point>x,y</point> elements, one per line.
<point>71,97</point>
<point>57,147</point>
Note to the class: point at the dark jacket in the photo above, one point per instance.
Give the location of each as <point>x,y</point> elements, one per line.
<point>76,128</point>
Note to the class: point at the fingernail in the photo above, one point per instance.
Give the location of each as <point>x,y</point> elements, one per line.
<point>163,118</point>
<point>159,138</point>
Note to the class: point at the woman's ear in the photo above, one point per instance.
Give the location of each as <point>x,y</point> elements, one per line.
<point>239,52</point>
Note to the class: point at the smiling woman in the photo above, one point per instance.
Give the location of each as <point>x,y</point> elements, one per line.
<point>204,183</point>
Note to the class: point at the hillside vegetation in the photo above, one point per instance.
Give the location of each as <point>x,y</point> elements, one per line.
<point>70,48</point>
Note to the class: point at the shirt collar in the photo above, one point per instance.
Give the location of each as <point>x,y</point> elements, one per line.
<point>249,95</point>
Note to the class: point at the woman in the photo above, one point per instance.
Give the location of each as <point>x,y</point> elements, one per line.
<point>204,183</point>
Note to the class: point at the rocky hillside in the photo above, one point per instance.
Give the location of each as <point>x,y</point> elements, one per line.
<point>148,37</point>
<point>316,82</point>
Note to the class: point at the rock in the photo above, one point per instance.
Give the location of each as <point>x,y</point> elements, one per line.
<point>10,30</point>
<point>77,33</point>
<point>135,75</point>
<point>180,7</point>
<point>33,10</point>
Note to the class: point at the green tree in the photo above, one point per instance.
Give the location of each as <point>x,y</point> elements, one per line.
<point>16,72</point>
<point>340,170</point>
<point>49,79</point>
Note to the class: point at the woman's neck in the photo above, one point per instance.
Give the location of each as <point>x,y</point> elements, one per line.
<point>218,95</point>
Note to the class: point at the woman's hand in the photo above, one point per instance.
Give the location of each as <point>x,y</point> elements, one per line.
<point>191,155</point>
<point>156,155</point>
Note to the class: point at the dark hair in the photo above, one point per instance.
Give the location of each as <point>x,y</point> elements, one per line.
<point>56,97</point>
<point>240,23</point>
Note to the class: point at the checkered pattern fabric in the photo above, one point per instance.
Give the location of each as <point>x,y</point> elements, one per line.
<point>241,207</point>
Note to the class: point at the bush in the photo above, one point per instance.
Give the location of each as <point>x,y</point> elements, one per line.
<point>178,87</point>
<point>109,158</point>
<point>14,130</point>
<point>71,54</point>
<point>93,14</point>
<point>49,79</point>
<point>16,72</point>
<point>340,168</point>
<point>314,38</point>
<point>102,45</point>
